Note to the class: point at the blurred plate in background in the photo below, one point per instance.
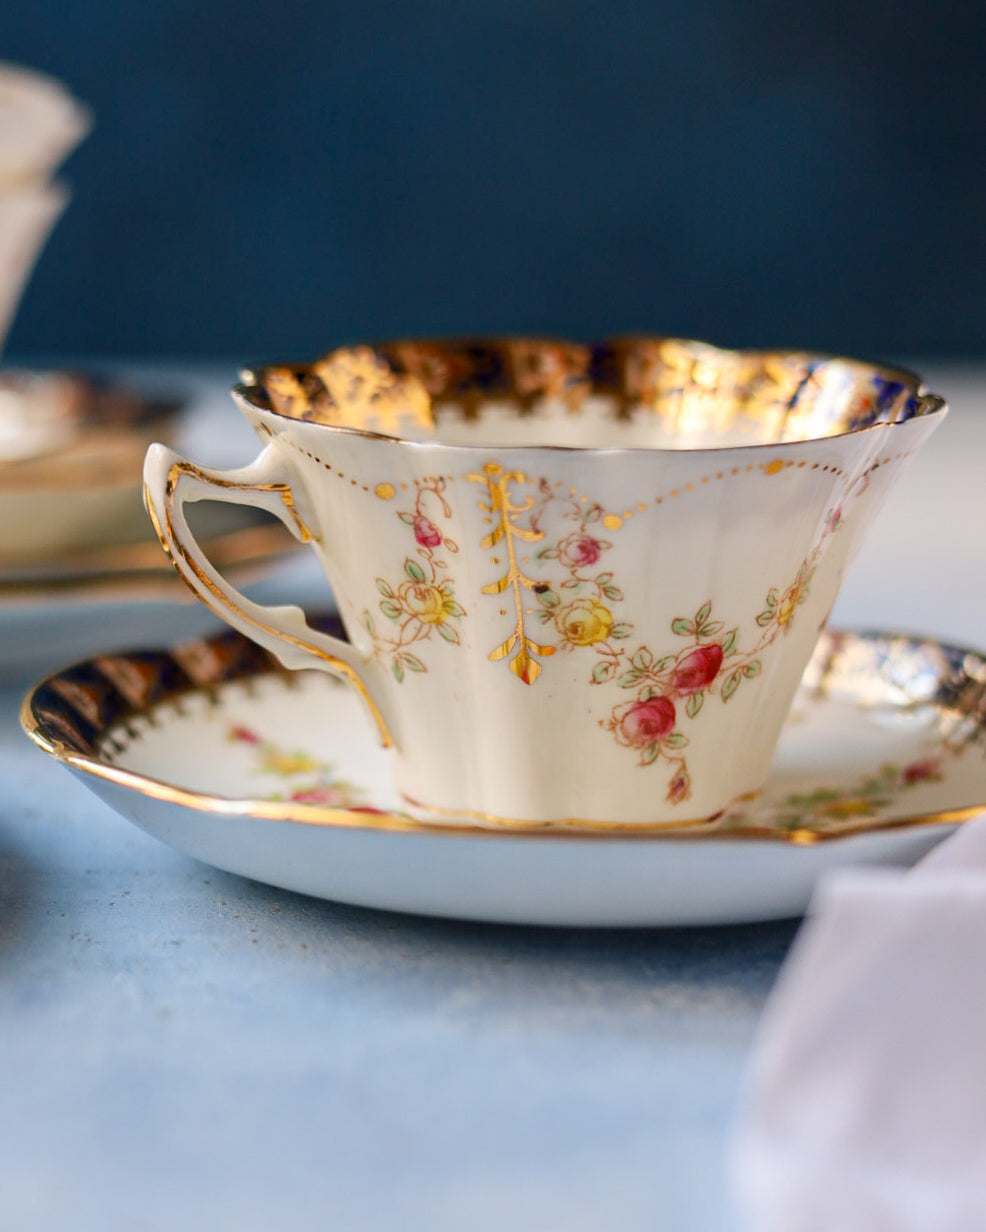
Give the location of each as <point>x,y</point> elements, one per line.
<point>71,454</point>
<point>80,564</point>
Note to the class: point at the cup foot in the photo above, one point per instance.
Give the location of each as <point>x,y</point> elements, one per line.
<point>576,825</point>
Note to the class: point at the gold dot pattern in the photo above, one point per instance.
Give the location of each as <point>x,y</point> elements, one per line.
<point>775,466</point>
<point>614,521</point>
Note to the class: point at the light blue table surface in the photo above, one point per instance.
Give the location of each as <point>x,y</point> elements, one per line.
<point>182,1049</point>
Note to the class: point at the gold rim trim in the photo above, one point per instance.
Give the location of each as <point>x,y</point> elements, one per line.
<point>221,604</point>
<point>403,385</point>
<point>519,825</point>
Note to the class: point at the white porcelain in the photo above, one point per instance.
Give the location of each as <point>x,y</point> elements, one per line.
<point>40,123</point>
<point>279,777</point>
<point>70,452</point>
<point>579,583</point>
<point>27,215</point>
<point>109,582</point>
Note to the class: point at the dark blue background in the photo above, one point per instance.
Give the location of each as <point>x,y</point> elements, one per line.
<point>271,178</point>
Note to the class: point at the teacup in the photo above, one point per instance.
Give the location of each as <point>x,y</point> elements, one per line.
<point>580,583</point>
<point>27,217</point>
<point>40,123</point>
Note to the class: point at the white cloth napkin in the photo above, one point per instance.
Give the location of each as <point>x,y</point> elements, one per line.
<point>865,1102</point>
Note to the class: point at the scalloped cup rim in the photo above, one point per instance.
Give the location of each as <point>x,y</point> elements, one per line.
<point>250,393</point>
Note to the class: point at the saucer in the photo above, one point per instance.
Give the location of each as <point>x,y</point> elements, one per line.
<point>70,605</point>
<point>71,450</point>
<point>80,564</point>
<point>79,558</point>
<point>277,776</point>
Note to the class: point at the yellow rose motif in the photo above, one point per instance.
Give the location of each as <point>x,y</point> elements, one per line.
<point>279,761</point>
<point>424,601</point>
<point>584,622</point>
<point>848,806</point>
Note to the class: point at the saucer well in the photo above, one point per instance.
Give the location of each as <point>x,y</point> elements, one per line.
<point>215,750</point>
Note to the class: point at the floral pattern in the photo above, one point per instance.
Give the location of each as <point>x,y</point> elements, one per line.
<point>307,779</point>
<point>822,811</point>
<point>663,688</point>
<point>828,809</point>
<point>423,602</point>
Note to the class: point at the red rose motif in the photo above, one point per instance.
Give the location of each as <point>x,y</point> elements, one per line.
<point>919,771</point>
<point>646,722</point>
<point>318,795</point>
<point>426,532</point>
<point>579,551</point>
<point>679,788</point>
<point>697,669</point>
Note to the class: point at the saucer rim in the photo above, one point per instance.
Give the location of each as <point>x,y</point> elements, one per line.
<point>241,552</point>
<point>152,411</point>
<point>300,813</point>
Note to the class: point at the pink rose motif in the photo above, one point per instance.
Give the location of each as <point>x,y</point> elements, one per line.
<point>579,551</point>
<point>679,788</point>
<point>646,722</point>
<point>318,795</point>
<point>426,532</point>
<point>697,669</point>
<point>244,734</point>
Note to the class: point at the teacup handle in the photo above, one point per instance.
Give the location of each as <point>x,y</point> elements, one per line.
<point>171,482</point>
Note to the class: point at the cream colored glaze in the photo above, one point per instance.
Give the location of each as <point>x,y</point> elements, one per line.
<point>684,528</point>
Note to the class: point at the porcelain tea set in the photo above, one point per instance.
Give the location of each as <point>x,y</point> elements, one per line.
<point>580,675</point>
<point>76,549</point>
<point>580,583</point>
<point>579,672</point>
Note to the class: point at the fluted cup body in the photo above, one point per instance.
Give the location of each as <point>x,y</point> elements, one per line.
<point>583,607</point>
